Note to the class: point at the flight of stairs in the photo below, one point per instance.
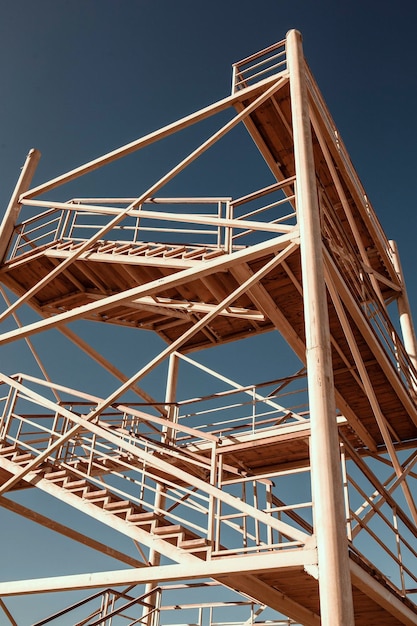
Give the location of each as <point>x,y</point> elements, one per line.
<point>64,480</point>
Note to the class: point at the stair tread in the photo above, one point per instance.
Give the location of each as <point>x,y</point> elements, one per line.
<point>97,493</point>
<point>23,456</point>
<point>8,450</point>
<point>56,474</point>
<point>169,529</point>
<point>143,515</point>
<point>118,504</point>
<point>194,543</point>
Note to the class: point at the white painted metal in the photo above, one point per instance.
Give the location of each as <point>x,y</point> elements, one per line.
<point>336,606</point>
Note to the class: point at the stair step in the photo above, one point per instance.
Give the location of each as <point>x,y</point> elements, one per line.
<point>118,505</point>
<point>139,250</point>
<point>175,252</point>
<point>21,457</point>
<point>195,253</point>
<point>213,254</point>
<point>156,251</point>
<point>147,517</point>
<point>172,533</point>
<point>170,529</point>
<point>106,247</point>
<point>56,476</point>
<point>75,485</point>
<point>8,450</point>
<point>122,248</point>
<point>193,544</point>
<point>98,495</point>
<point>62,245</point>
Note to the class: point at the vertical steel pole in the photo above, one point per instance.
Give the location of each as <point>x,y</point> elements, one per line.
<point>167,433</point>
<point>336,605</point>
<point>12,212</point>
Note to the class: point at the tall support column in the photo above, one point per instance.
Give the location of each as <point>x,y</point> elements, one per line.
<point>167,434</point>
<point>336,605</point>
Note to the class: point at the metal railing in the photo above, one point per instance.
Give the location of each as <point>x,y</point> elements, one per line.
<point>168,606</point>
<point>360,286</point>
<point>250,409</point>
<point>103,606</point>
<point>376,524</point>
<point>127,454</point>
<point>212,224</point>
<point>353,176</point>
<point>199,223</point>
<point>259,66</point>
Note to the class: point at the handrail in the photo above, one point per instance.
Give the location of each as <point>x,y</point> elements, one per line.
<point>246,72</point>
<point>212,223</point>
<point>98,443</point>
<point>76,605</point>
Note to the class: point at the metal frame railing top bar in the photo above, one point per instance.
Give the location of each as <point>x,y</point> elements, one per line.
<point>213,223</point>
<point>258,66</point>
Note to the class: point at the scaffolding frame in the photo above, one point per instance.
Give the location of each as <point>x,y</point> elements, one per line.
<point>185,478</point>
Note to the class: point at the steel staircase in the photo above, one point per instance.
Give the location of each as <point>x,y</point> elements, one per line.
<point>100,503</point>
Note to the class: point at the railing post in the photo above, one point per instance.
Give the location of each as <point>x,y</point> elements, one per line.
<point>63,222</point>
<point>398,545</point>
<point>346,493</point>
<point>228,231</point>
<point>233,78</point>
<point>212,501</point>
<point>336,604</point>
<point>13,210</point>
<point>406,320</point>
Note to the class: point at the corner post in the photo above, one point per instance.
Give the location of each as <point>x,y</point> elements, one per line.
<point>12,212</point>
<point>336,604</point>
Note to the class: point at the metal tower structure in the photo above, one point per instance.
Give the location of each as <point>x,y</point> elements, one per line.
<point>288,501</point>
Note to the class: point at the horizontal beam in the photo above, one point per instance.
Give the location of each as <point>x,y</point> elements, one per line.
<point>189,218</point>
<point>254,564</point>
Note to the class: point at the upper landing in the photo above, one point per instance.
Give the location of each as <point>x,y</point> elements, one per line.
<point>203,271</point>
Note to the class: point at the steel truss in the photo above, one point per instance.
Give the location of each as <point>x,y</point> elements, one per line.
<point>294,495</point>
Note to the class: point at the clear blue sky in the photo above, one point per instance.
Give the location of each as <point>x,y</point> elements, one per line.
<point>81,77</point>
